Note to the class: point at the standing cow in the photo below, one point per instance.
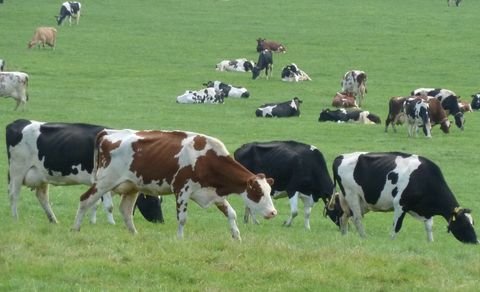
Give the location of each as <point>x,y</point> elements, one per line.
<point>298,170</point>
<point>189,165</point>
<point>265,62</point>
<point>418,115</point>
<point>398,182</point>
<point>14,84</point>
<point>69,9</point>
<point>2,65</point>
<point>354,82</point>
<point>475,104</point>
<point>44,36</point>
<point>263,44</point>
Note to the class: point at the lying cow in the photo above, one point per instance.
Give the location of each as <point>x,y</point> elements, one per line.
<point>354,82</point>
<point>228,90</point>
<point>237,65</point>
<point>265,62</point>
<point>263,44</point>
<point>298,170</point>
<point>398,182</point>
<point>285,109</point>
<point>344,100</point>
<point>448,99</point>
<point>189,165</point>
<point>292,73</point>
<point>475,101</point>
<point>41,153</point>
<point>15,85</point>
<point>69,9</point>
<point>207,95</point>
<point>342,115</point>
<point>42,36</point>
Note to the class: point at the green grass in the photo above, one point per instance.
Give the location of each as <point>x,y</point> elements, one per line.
<point>124,65</point>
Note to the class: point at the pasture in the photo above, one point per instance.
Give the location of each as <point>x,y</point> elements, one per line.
<point>123,67</point>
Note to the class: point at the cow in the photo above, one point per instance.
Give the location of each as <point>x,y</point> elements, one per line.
<point>206,95</point>
<point>42,36</point>
<point>41,153</point>
<point>15,85</point>
<point>398,182</point>
<point>354,82</point>
<point>475,101</point>
<point>265,61</point>
<point>237,65</point>
<point>228,90</point>
<point>465,106</point>
<point>417,111</point>
<point>299,171</point>
<point>396,113</point>
<point>263,44</point>
<point>451,2</point>
<point>344,100</point>
<point>69,9</point>
<point>189,165</point>
<point>342,115</point>
<point>448,99</point>
<point>285,109</point>
<point>292,73</point>
<point>2,65</point>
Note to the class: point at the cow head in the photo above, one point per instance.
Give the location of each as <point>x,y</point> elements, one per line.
<point>333,209</point>
<point>459,120</point>
<point>248,66</point>
<point>461,226</point>
<point>257,196</point>
<point>475,101</point>
<point>255,72</point>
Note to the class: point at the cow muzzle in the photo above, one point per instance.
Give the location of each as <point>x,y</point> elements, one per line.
<point>270,214</point>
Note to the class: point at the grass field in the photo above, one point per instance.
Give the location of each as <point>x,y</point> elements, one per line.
<point>126,62</point>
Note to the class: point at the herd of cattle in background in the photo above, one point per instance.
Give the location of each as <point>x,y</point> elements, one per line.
<point>199,167</point>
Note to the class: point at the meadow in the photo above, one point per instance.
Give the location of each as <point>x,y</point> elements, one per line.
<point>123,67</point>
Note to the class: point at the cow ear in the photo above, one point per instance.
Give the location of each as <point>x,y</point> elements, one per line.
<point>270,181</point>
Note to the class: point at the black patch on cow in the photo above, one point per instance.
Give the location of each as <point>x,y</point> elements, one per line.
<point>393,177</point>
<point>13,132</point>
<point>150,207</point>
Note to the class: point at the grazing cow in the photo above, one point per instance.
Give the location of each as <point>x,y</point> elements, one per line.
<point>465,106</point>
<point>14,84</point>
<point>298,170</point>
<point>187,164</point>
<point>228,90</point>
<point>451,2</point>
<point>354,82</point>
<point>237,65</point>
<point>69,9</point>
<point>285,109</point>
<point>448,99</point>
<point>263,44</point>
<point>2,65</point>
<point>342,115</point>
<point>206,95</point>
<point>265,61</point>
<point>293,73</point>
<point>344,100</point>
<point>41,153</point>
<point>417,111</point>
<point>404,183</point>
<point>42,36</point>
<point>475,101</point>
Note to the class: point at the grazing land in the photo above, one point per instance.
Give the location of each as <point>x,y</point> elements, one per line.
<point>123,67</point>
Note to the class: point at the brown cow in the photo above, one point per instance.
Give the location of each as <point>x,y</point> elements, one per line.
<point>187,164</point>
<point>263,44</point>
<point>42,36</point>
<point>344,100</point>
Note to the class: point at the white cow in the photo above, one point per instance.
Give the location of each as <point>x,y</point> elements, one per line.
<point>206,95</point>
<point>292,73</point>
<point>355,83</point>
<point>237,65</point>
<point>14,84</point>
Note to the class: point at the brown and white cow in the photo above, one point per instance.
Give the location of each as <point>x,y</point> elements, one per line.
<point>344,100</point>
<point>189,165</point>
<point>263,44</point>
<point>14,84</point>
<point>354,82</point>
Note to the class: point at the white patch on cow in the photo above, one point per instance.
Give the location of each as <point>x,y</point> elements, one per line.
<point>293,105</point>
<point>268,110</point>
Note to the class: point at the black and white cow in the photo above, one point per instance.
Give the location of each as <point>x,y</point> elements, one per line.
<point>2,65</point>
<point>354,82</point>
<point>448,99</point>
<point>398,182</point>
<point>418,115</point>
<point>228,90</point>
<point>41,153</point>
<point>298,170</point>
<point>237,65</point>
<point>206,95</point>
<point>291,73</point>
<point>285,109</point>
<point>69,9</point>
<point>265,61</point>
<point>451,2</point>
<point>342,115</point>
<point>475,104</point>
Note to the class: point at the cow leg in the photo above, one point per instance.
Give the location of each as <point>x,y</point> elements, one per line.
<point>42,196</point>
<point>354,204</point>
<point>14,188</point>
<point>249,214</point>
<point>107,205</point>
<point>127,204</point>
<point>429,229</point>
<point>398,215</point>
<point>225,207</point>
<point>182,203</point>
<point>87,200</point>
<point>307,209</point>
<point>293,209</point>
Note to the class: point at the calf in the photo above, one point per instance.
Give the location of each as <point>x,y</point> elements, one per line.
<point>465,106</point>
<point>417,111</point>
<point>475,101</point>
<point>14,84</point>
<point>228,90</point>
<point>42,36</point>
<point>285,109</point>
<point>342,115</point>
<point>344,100</point>
<point>207,95</point>
<point>69,9</point>
<point>298,170</point>
<point>237,65</point>
<point>187,164</point>
<point>293,73</point>
<point>404,183</point>
<point>354,82</point>
<point>265,61</point>
<point>263,44</point>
